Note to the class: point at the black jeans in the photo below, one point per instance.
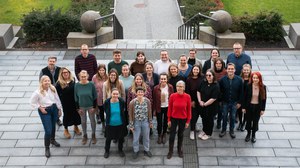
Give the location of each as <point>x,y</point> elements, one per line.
<point>108,142</point>
<point>162,120</point>
<point>208,121</point>
<point>253,116</point>
<point>195,116</point>
<point>101,113</point>
<point>181,126</point>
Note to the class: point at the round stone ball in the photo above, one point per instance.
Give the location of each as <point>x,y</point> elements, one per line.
<point>87,21</point>
<point>223,23</point>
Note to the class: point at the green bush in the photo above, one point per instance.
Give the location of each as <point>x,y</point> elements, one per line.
<point>265,26</point>
<point>49,25</point>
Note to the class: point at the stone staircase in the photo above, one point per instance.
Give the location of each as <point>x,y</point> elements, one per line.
<point>9,35</point>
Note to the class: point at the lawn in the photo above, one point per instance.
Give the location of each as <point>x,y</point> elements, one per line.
<point>11,11</point>
<point>288,8</point>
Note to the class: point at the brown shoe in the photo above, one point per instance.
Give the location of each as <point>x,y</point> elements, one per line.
<point>84,139</point>
<point>94,140</point>
<point>159,139</point>
<point>67,134</point>
<point>77,130</point>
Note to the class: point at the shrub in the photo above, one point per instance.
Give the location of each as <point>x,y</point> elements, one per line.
<point>265,26</point>
<point>49,25</point>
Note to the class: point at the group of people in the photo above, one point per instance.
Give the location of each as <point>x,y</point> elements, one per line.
<point>124,98</point>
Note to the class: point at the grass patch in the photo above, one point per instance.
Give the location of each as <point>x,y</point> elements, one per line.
<point>289,9</point>
<point>11,11</point>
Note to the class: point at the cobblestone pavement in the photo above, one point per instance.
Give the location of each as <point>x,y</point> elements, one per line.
<point>21,131</point>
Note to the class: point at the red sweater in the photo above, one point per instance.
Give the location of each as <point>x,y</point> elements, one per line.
<point>180,107</point>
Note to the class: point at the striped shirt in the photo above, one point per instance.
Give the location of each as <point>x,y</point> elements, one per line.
<point>89,64</point>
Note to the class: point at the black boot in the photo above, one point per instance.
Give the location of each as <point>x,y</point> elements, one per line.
<point>247,139</point>
<point>253,139</point>
<point>52,141</point>
<point>170,153</point>
<point>47,149</point>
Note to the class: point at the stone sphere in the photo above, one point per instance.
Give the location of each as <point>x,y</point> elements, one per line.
<point>224,21</point>
<point>87,21</point>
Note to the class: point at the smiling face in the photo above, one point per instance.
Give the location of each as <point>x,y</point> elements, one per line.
<point>125,71</point>
<point>149,69</point>
<point>65,74</point>
<point>117,57</point>
<point>180,88</point>
<point>173,71</point>
<point>101,72</point>
<point>209,77</point>
<point>138,81</point>
<point>246,71</point>
<point>51,63</point>
<point>164,56</point>
<point>192,54</point>
<point>196,71</point>
<point>84,50</point>
<point>218,65</point>
<point>163,80</point>
<point>230,70</point>
<point>112,77</point>
<point>115,94</point>
<point>83,76</point>
<point>140,93</point>
<point>255,79</point>
<point>140,59</point>
<point>237,49</point>
<point>45,82</point>
<point>182,60</point>
<point>214,54</point>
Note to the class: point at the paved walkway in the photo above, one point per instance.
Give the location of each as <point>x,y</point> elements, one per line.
<point>149,19</point>
<point>21,132</point>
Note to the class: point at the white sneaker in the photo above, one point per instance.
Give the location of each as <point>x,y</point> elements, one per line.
<point>205,137</point>
<point>201,134</point>
<point>192,135</point>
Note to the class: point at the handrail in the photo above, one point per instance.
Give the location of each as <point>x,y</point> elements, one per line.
<point>191,29</point>
<point>117,27</point>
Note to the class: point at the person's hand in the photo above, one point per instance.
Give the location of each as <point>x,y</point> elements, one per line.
<point>244,110</point>
<point>201,103</point>
<point>187,125</point>
<point>80,111</point>
<point>238,106</point>
<point>151,125</point>
<point>131,129</point>
<point>59,113</point>
<point>262,113</point>
<point>169,124</point>
<point>43,110</point>
<point>193,104</point>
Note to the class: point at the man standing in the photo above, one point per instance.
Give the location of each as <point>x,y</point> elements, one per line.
<point>238,58</point>
<point>52,71</point>
<point>231,87</point>
<point>162,65</point>
<point>117,62</point>
<point>192,60</point>
<point>85,61</point>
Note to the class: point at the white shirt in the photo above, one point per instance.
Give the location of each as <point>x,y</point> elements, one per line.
<point>160,66</point>
<point>38,100</point>
<point>165,93</point>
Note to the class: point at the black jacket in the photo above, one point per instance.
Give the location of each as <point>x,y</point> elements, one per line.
<point>248,96</point>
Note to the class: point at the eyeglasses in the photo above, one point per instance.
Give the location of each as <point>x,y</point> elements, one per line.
<point>209,75</point>
<point>236,48</point>
<point>65,72</point>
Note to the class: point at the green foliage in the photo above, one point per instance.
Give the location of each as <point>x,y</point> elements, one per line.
<point>49,24</point>
<point>265,26</point>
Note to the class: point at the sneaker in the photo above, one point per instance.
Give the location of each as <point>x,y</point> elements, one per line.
<point>205,137</point>
<point>192,135</point>
<point>232,134</point>
<point>201,134</point>
<point>222,134</point>
<point>148,153</point>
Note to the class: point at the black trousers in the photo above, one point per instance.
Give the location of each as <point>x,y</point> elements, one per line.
<point>181,126</point>
<point>253,116</point>
<point>162,121</point>
<point>195,115</point>
<point>208,120</point>
<point>108,142</point>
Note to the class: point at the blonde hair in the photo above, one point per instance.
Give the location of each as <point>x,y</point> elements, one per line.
<point>82,72</point>
<point>42,91</point>
<point>133,86</point>
<point>64,82</point>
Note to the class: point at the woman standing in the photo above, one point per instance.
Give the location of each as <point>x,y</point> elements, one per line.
<point>208,94</point>
<point>115,122</point>
<point>86,102</point>
<point>99,78</point>
<point>219,68</point>
<point>161,95</point>
<point>46,100</point>
<point>113,82</point>
<point>179,114</point>
<point>173,76</point>
<point>183,67</point>
<point>192,84</point>
<point>246,72</point>
<point>65,90</point>
<point>138,66</point>
<point>255,104</point>
<point>209,64</point>
<point>140,121</point>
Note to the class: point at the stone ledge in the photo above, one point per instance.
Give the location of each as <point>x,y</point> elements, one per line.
<point>294,34</point>
<point>6,35</point>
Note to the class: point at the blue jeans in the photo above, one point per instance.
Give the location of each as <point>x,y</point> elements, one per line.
<point>49,120</point>
<point>141,127</point>
<point>231,109</point>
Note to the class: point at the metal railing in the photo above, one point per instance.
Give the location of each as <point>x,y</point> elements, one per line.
<point>191,28</point>
<point>117,27</point>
